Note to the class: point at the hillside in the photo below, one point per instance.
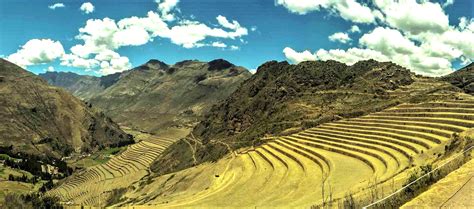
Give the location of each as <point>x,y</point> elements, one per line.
<point>462,78</point>
<point>155,96</point>
<point>299,170</point>
<point>45,121</point>
<point>82,86</point>
<point>281,99</point>
<point>284,132</point>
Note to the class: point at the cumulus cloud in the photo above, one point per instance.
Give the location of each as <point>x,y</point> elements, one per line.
<point>387,41</point>
<point>37,51</point>
<point>413,34</point>
<point>340,37</point>
<point>165,7</point>
<point>56,5</point>
<point>115,65</point>
<point>87,7</point>
<point>102,37</point>
<point>297,57</point>
<point>350,56</point>
<point>72,60</point>
<point>190,34</point>
<point>219,44</point>
<point>354,29</point>
<point>413,17</point>
<point>348,9</point>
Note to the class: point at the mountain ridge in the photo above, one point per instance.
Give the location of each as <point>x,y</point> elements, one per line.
<point>174,95</point>
<point>282,98</point>
<point>47,121</point>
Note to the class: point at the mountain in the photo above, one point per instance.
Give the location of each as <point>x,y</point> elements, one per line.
<point>281,99</point>
<point>462,78</point>
<point>46,121</point>
<point>156,97</point>
<point>82,86</point>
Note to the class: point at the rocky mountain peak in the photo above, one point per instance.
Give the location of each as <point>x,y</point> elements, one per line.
<point>219,64</point>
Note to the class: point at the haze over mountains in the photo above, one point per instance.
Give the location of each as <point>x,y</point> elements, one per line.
<point>155,96</point>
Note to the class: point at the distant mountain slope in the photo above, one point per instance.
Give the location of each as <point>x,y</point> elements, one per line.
<point>463,78</point>
<point>82,86</point>
<point>42,120</point>
<point>155,96</point>
<point>282,98</point>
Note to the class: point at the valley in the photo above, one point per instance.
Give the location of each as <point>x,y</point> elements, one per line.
<point>295,170</point>
<point>317,134</point>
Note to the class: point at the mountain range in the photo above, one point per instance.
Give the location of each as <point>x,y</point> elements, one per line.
<point>282,99</point>
<point>156,97</point>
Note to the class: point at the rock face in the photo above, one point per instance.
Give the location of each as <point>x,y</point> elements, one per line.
<point>155,96</point>
<point>42,120</point>
<point>282,98</point>
<point>463,78</point>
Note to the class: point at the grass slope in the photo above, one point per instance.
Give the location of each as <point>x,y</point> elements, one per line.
<point>343,157</point>
<point>281,99</point>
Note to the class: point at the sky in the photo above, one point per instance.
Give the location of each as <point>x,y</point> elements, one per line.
<point>429,37</point>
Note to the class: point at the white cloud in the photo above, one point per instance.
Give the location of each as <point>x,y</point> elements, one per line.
<point>387,41</point>
<point>234,25</point>
<point>189,34</point>
<point>72,60</point>
<point>234,48</point>
<point>340,37</point>
<point>115,65</point>
<point>165,7</point>
<point>37,51</point>
<point>49,69</point>
<point>350,10</point>
<point>87,7</point>
<point>413,17</point>
<point>56,5</point>
<point>448,2</point>
<point>131,36</point>
<point>297,57</point>
<point>102,37</point>
<point>218,44</point>
<point>354,29</point>
<point>432,57</point>
<point>351,55</point>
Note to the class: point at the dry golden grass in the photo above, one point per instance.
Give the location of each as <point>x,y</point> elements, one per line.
<point>454,191</point>
<point>310,167</point>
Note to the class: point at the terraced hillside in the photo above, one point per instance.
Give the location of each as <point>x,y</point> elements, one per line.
<point>324,162</point>
<point>94,185</point>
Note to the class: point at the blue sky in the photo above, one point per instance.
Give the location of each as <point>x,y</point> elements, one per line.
<point>293,30</point>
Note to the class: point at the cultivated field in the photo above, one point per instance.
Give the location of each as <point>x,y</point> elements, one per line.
<point>94,185</point>
<point>325,162</point>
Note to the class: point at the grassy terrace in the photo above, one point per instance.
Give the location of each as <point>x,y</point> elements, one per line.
<point>93,185</point>
<point>299,170</point>
<point>324,162</point>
